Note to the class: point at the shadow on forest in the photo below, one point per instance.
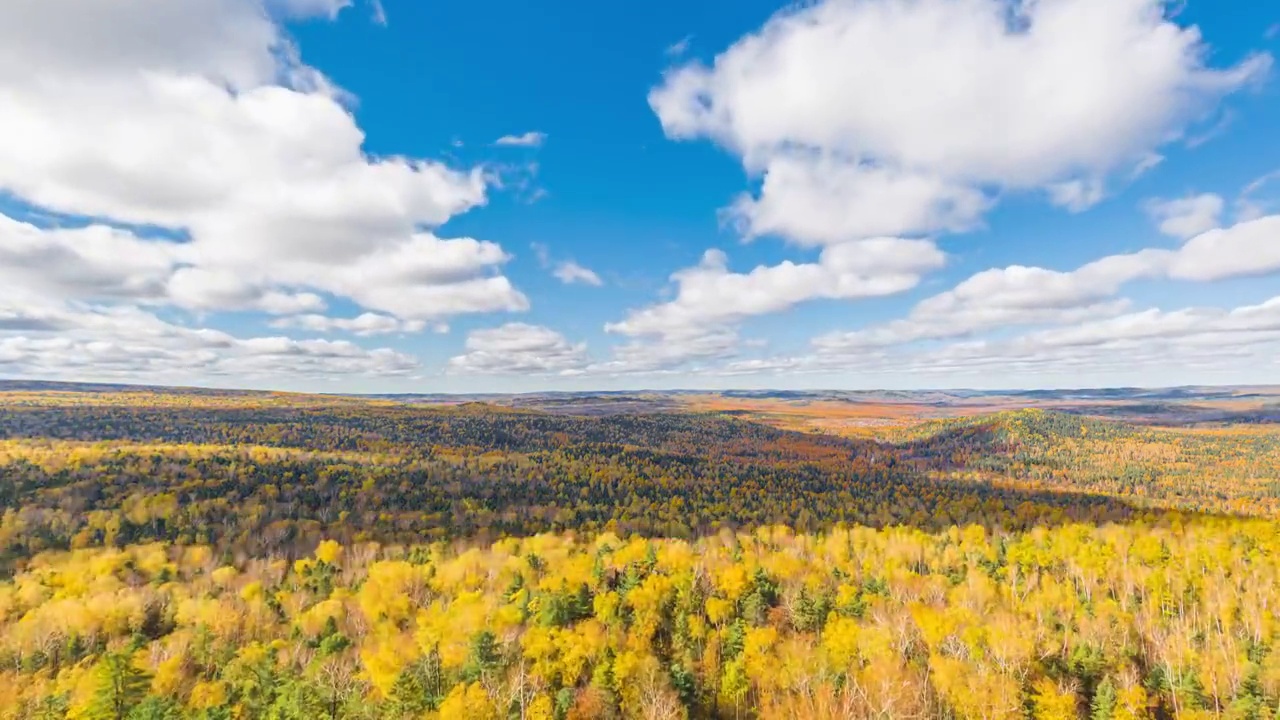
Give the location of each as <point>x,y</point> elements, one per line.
<point>432,473</point>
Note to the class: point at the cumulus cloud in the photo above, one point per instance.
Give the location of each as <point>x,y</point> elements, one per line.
<point>679,47</point>
<point>700,322</point>
<point>1249,248</point>
<point>871,119</point>
<point>691,351</point>
<point>90,263</point>
<point>1077,195</point>
<point>1245,322</point>
<point>566,271</point>
<point>709,295</point>
<point>1189,216</point>
<point>1145,347</point>
<point>116,343</point>
<point>570,272</point>
<point>929,106</point>
<point>1019,295</point>
<point>519,348</point>
<point>1249,206</point>
<point>363,325</point>
<point>197,116</point>
<point>824,200</point>
<point>1147,341</point>
<point>528,139</point>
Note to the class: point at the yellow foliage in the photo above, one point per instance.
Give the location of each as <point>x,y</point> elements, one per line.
<point>718,610</point>
<point>757,651</point>
<point>168,675</point>
<point>1052,702</point>
<point>542,708</point>
<point>468,702</point>
<point>606,606</point>
<point>647,600</point>
<point>632,552</point>
<point>386,654</point>
<point>197,556</point>
<point>449,626</point>
<point>733,581</point>
<point>208,695</point>
<point>313,620</point>
<point>389,589</point>
<point>329,551</point>
<point>840,641</point>
<point>251,592</point>
<point>937,628</point>
<point>224,576</point>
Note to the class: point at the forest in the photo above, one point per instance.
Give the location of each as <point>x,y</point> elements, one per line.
<point>236,555</point>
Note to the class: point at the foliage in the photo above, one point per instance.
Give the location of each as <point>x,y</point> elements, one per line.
<point>212,556</point>
<point>1115,621</point>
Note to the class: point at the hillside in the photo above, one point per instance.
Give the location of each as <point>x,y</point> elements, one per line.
<point>224,555</point>
<point>1233,469</point>
<point>277,474</point>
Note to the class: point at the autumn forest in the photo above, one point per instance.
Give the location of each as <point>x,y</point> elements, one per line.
<point>172,554</point>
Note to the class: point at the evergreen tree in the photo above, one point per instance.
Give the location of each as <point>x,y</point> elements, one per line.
<point>120,687</point>
<point>1104,701</point>
<point>419,688</point>
<point>483,657</point>
<point>156,708</point>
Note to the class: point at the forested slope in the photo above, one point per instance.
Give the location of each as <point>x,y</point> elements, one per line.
<point>276,556</point>
<point>277,475</point>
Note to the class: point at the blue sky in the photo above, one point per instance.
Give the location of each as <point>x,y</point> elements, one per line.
<point>489,196</point>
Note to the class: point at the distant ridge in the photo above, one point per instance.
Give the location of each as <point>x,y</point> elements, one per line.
<point>1202,393</point>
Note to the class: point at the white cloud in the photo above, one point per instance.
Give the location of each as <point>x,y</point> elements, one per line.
<point>1145,341</point>
<point>825,200</point>
<point>1018,295</point>
<point>128,343</point>
<point>542,252</point>
<point>757,366</point>
<point>1159,325</point>
<point>932,103</point>
<point>997,298</point>
<point>570,272</point>
<point>1189,216</point>
<point>1147,347</point>
<point>201,289</point>
<point>529,139</point>
<point>699,325</point>
<point>677,351</point>
<point>1077,195</point>
<point>229,42</point>
<point>424,278</point>
<point>566,271</point>
<point>92,263</point>
<point>1219,128</point>
<point>198,116</point>
<point>363,325</point>
<point>518,348</point>
<point>710,296</point>
<point>1249,248</point>
<point>680,47</point>
<point>1248,206</point>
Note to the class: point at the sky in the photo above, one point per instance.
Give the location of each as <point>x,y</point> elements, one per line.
<point>504,196</point>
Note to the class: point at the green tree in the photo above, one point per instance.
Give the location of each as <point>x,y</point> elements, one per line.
<point>121,687</point>
<point>483,657</point>
<point>296,700</point>
<point>156,708</point>
<point>419,687</point>
<point>1104,701</point>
